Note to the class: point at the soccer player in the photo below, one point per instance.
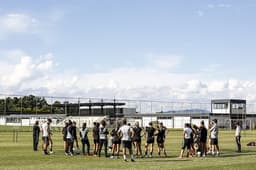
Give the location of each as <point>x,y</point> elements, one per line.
<point>64,133</point>
<point>50,139</point>
<point>116,141</point>
<point>96,137</point>
<point>126,133</point>
<point>161,132</point>
<point>75,135</point>
<point>203,138</point>
<point>84,139</point>
<point>238,137</point>
<point>214,138</point>
<point>150,139</point>
<point>70,139</point>
<point>187,133</point>
<point>137,139</point>
<point>103,131</point>
<point>45,135</point>
<point>36,133</point>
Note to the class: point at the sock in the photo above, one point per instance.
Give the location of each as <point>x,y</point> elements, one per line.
<point>132,157</point>
<point>124,157</point>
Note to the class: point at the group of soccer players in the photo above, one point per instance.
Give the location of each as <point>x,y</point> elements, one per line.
<point>195,140</point>
<point>129,138</point>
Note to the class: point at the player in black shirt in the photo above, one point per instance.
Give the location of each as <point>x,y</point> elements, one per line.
<point>137,139</point>
<point>116,141</point>
<point>36,133</point>
<point>64,133</point>
<point>203,138</point>
<point>150,139</point>
<point>161,132</point>
<point>96,137</point>
<point>75,135</point>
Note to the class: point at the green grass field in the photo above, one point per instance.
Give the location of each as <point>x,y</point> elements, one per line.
<point>21,156</point>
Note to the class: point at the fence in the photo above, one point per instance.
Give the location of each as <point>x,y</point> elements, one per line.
<point>42,106</point>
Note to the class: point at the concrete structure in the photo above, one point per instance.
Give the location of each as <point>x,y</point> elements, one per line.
<point>228,112</point>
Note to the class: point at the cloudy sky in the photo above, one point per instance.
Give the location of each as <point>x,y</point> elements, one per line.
<point>136,49</point>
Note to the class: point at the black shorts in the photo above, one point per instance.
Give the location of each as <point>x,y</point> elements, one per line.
<point>117,142</point>
<point>64,139</point>
<point>127,144</point>
<point>160,140</point>
<point>96,141</point>
<point>203,140</point>
<point>137,140</point>
<point>151,140</point>
<point>186,144</point>
<point>214,141</point>
<point>45,140</point>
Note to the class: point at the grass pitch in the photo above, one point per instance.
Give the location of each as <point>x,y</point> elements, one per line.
<point>20,155</point>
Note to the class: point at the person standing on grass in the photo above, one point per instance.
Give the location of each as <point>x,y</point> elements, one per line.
<point>46,135</point>
<point>75,135</point>
<point>150,139</point>
<point>214,138</point>
<point>64,133</point>
<point>161,133</point>
<point>137,139</point>
<point>238,137</point>
<point>187,133</point>
<point>70,140</point>
<point>36,134</point>
<point>84,139</point>
<point>126,134</point>
<point>50,139</point>
<point>203,139</point>
<point>116,142</point>
<point>96,137</point>
<point>103,132</point>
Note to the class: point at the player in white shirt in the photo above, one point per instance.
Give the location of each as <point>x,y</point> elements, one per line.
<point>126,133</point>
<point>214,138</point>
<point>187,133</point>
<point>103,134</point>
<point>46,135</point>
<point>238,137</point>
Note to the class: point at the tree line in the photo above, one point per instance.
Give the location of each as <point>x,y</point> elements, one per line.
<point>29,105</point>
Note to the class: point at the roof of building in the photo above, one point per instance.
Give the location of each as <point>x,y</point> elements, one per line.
<point>228,100</point>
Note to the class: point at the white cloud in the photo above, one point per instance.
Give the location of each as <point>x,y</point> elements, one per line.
<point>40,76</point>
<point>17,23</point>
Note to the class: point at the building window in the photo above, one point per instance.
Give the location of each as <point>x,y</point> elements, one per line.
<point>238,106</point>
<point>220,106</point>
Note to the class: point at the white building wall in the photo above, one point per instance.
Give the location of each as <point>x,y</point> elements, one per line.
<point>198,121</point>
<point>179,121</point>
<point>2,120</point>
<point>133,121</point>
<point>146,120</point>
<point>167,122</point>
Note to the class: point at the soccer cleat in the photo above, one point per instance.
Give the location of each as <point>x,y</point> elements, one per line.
<point>132,160</point>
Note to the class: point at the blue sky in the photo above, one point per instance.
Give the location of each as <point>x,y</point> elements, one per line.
<point>205,42</point>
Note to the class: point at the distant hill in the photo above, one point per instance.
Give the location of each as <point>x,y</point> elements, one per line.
<point>192,111</point>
